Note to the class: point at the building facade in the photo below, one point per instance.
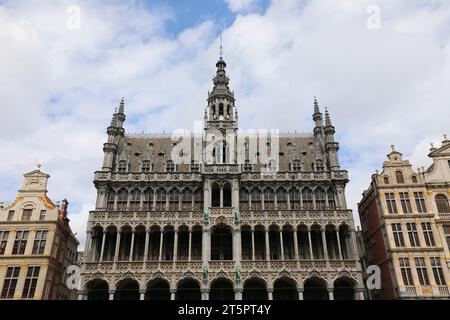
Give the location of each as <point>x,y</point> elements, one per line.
<point>231,223</point>
<point>36,244</point>
<point>404,216</point>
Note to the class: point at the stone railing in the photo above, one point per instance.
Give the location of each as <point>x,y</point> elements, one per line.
<point>295,176</point>
<point>296,215</point>
<point>153,176</point>
<point>221,168</point>
<point>216,266</point>
<point>105,217</point>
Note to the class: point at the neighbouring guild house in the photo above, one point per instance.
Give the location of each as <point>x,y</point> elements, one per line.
<point>36,244</point>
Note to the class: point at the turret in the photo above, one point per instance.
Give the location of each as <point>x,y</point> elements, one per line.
<point>317,117</point>
<point>114,131</point>
<point>331,147</point>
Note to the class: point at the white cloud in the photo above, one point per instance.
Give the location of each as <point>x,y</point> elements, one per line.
<point>241,5</point>
<point>59,86</point>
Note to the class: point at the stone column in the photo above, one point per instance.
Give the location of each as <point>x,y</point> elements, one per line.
<point>175,245</point>
<point>237,245</point>
<point>281,244</point>
<point>102,251</point>
<point>238,294</point>
<point>116,253</point>
<point>88,245</point>
<point>205,294</point>
<point>310,245</point>
<point>172,294</point>
<point>330,293</point>
<point>161,238</point>
<point>267,245</point>
<point>142,294</point>
<point>132,245</point>
<point>205,246</point>
<point>253,244</point>
<point>324,243</point>
<point>221,196</point>
<point>190,245</point>
<point>300,293</point>
<point>270,293</point>
<point>296,245</point>
<point>147,239</point>
<point>111,294</point>
<point>339,244</point>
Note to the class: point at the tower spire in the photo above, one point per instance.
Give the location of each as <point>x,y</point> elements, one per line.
<point>327,118</point>
<point>122,106</point>
<point>221,48</point>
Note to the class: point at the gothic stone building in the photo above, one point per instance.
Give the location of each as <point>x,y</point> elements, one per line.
<point>221,229</point>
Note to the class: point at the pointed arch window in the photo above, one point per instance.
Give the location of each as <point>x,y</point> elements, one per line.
<point>146,166</point>
<point>174,200</point>
<point>256,199</point>
<point>307,197</point>
<point>386,180</point>
<point>243,199</point>
<point>247,166</point>
<point>161,200</point>
<point>281,199</point>
<point>331,199</point>
<point>294,198</point>
<point>320,166</point>
<point>135,202</point>
<point>122,166</point>
<point>122,200</point>
<point>111,200</point>
<point>296,166</point>
<point>186,201</point>
<point>319,195</point>
<point>170,166</point>
<point>198,199</point>
<point>148,199</point>
<point>269,199</point>
<point>399,177</point>
<point>195,167</point>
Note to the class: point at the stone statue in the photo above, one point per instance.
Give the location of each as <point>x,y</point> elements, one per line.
<point>238,274</point>
<point>237,216</point>
<point>205,274</point>
<point>206,215</point>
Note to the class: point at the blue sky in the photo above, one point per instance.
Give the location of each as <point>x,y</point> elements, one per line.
<point>60,83</point>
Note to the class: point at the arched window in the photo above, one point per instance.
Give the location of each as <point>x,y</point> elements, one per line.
<point>386,180</point>
<point>195,167</point>
<point>256,199</point>
<point>414,179</point>
<point>296,166</point>
<point>148,199</point>
<point>399,177</point>
<point>227,195</point>
<point>320,166</point>
<point>174,200</point>
<point>307,197</point>
<point>247,166</point>
<point>146,166</point>
<point>187,199</point>
<point>161,199</point>
<point>135,199</point>
<point>221,111</point>
<point>442,203</point>
<point>319,195</point>
<point>269,199</point>
<point>281,198</point>
<point>122,200</point>
<point>111,200</point>
<point>215,201</point>
<point>170,166</point>
<point>198,199</point>
<point>243,199</point>
<point>122,166</point>
<point>294,198</point>
<point>331,199</point>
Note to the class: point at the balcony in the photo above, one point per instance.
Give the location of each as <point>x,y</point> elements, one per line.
<point>152,176</point>
<point>289,215</point>
<point>221,169</point>
<point>139,216</point>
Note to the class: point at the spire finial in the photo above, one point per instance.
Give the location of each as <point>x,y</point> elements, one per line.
<point>393,147</point>
<point>38,167</point>
<point>221,47</point>
<point>122,106</point>
<point>316,105</point>
<point>445,137</point>
<point>327,118</point>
